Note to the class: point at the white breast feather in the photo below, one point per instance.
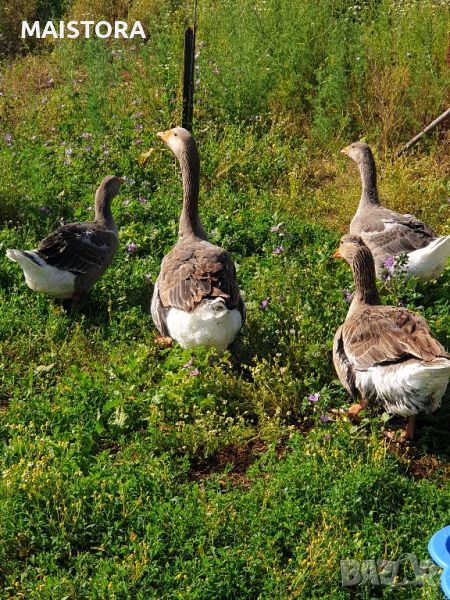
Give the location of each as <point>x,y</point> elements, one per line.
<point>212,325</point>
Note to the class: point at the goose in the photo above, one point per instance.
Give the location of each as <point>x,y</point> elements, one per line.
<point>386,354</point>
<point>389,234</point>
<point>196,299</point>
<point>72,258</point>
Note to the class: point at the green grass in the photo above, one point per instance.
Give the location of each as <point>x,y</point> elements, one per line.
<point>122,475</point>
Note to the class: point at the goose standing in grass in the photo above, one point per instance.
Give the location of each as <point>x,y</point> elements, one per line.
<point>389,234</point>
<point>72,258</point>
<point>386,353</point>
<point>196,299</point>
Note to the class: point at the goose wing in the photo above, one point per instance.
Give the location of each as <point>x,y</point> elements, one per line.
<point>79,247</point>
<point>386,334</point>
<point>193,272</point>
<point>343,366</point>
<point>393,234</point>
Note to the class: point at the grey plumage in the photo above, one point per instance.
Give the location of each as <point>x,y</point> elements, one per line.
<point>388,233</point>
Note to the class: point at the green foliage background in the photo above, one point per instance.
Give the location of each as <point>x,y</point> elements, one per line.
<point>122,475</point>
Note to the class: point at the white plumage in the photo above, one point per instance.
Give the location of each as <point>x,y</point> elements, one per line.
<point>41,277</point>
<point>429,262</point>
<point>212,325</point>
<point>421,385</point>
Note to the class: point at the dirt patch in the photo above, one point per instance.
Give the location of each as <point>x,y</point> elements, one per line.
<point>425,467</point>
<point>421,466</point>
<point>238,459</point>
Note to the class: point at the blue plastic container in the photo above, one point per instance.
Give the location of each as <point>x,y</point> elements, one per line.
<point>439,549</point>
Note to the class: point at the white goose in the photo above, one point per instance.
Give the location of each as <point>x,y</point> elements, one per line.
<point>72,258</point>
<point>196,299</point>
<point>390,234</point>
<point>386,353</point>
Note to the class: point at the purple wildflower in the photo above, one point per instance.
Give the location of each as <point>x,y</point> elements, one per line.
<point>276,228</point>
<point>86,135</point>
<point>139,126</point>
<point>67,161</point>
<point>194,373</point>
<point>132,247</point>
<point>325,418</point>
<point>389,263</point>
<point>278,250</point>
<point>88,149</point>
<point>188,365</point>
<point>264,304</point>
<point>105,149</point>
<point>314,397</point>
<point>126,202</point>
<point>143,200</point>
<point>68,151</point>
<point>138,141</point>
<point>326,436</point>
<point>129,181</point>
<point>347,296</point>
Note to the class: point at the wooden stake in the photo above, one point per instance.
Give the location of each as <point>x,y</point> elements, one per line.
<point>427,129</point>
<point>188,74</point>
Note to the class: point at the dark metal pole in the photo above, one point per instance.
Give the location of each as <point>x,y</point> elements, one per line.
<point>188,75</point>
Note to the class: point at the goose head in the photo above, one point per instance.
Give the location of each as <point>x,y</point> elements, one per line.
<point>351,246</point>
<point>110,186</point>
<point>179,140</point>
<point>358,152</point>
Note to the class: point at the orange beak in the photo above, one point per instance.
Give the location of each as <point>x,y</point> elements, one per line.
<point>337,254</point>
<point>164,135</point>
<point>345,150</point>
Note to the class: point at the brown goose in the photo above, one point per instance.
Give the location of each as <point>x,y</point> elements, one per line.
<point>386,353</point>
<point>196,299</point>
<point>389,234</point>
<point>72,258</point>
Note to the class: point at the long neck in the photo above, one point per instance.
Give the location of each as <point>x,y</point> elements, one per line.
<point>366,291</point>
<point>190,223</point>
<point>367,169</point>
<point>103,212</point>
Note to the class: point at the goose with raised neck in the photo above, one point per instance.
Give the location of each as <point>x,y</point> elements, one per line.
<point>390,234</point>
<point>74,256</point>
<point>386,354</point>
<point>196,299</point>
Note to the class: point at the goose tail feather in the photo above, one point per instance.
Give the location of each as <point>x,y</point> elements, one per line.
<point>429,262</point>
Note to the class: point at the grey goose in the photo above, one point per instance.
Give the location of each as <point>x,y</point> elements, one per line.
<point>72,258</point>
<point>196,299</point>
<point>386,354</point>
<point>389,234</point>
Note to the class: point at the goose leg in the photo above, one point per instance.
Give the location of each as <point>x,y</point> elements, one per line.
<point>410,427</point>
<point>407,434</point>
<point>355,409</point>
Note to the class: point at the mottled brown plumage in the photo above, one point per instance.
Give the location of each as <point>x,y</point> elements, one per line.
<point>194,271</point>
<point>386,353</point>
